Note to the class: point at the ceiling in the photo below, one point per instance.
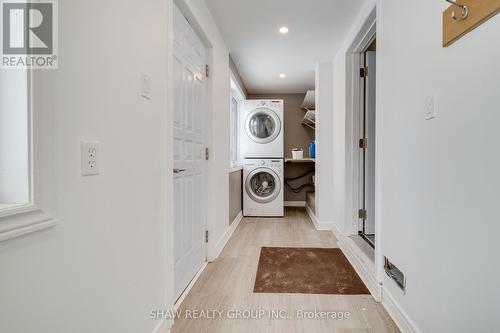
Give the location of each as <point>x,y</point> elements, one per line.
<point>251,31</point>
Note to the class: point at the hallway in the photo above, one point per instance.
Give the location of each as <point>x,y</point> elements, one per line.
<point>354,136</point>
<point>227,284</point>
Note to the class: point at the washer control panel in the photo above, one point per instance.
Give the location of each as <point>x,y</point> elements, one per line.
<point>271,163</point>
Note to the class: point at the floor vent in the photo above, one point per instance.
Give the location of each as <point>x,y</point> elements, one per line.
<point>394,273</point>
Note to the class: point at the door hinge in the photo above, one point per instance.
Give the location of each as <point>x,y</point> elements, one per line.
<point>207,70</point>
<point>363,143</point>
<point>363,72</point>
<point>206,236</point>
<point>362,214</point>
<point>207,154</point>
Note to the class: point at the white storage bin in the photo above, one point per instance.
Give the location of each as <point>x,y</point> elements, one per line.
<point>297,154</point>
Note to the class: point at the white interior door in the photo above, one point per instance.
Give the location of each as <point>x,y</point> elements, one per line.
<point>370,109</point>
<point>189,61</point>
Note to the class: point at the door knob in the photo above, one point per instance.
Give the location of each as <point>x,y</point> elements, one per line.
<point>179,170</point>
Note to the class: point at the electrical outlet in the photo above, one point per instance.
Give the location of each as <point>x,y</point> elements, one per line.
<point>430,108</point>
<point>90,158</point>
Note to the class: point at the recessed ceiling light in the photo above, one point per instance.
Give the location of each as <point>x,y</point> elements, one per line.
<point>284,30</point>
<point>282,75</point>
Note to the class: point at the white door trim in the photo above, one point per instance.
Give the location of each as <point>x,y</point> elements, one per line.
<point>354,91</point>
<point>367,157</point>
<point>354,96</point>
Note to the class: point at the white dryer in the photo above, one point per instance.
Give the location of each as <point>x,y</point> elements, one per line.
<point>263,184</point>
<point>261,130</point>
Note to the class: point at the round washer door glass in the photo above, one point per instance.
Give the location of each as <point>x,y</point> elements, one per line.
<point>262,185</point>
<point>263,125</point>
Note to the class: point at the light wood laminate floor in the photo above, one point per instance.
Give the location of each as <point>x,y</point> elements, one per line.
<point>227,285</point>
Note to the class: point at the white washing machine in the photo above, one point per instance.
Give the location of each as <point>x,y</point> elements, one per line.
<point>261,129</point>
<point>263,186</point>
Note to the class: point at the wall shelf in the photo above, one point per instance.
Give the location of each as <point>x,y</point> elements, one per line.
<point>309,119</point>
<point>309,100</point>
<point>301,160</point>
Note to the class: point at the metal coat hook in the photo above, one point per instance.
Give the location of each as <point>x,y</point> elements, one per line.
<point>464,8</point>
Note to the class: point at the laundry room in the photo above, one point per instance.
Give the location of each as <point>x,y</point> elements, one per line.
<point>298,140</point>
<point>273,150</point>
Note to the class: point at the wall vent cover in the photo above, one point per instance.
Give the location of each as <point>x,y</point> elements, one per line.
<point>394,273</point>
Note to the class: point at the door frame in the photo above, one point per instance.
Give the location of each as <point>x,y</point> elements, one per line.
<point>361,117</point>
<point>170,93</point>
<point>355,98</point>
<point>353,104</point>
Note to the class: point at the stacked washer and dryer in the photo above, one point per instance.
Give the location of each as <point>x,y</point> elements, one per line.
<point>261,139</point>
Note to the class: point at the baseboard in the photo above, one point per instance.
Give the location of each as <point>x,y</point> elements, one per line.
<point>397,314</point>
<point>312,216</point>
<point>190,285</point>
<point>319,225</point>
<point>221,243</point>
<point>163,326</point>
<point>367,275</point>
<point>362,265</point>
<point>336,232</point>
<point>295,203</point>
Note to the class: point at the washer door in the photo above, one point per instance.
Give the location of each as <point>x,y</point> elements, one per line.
<point>262,125</point>
<point>263,185</point>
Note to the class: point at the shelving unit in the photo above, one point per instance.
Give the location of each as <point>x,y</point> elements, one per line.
<point>309,119</point>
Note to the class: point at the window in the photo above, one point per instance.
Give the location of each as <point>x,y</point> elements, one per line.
<point>234,131</point>
<point>236,97</point>
<point>14,139</point>
<point>26,196</point>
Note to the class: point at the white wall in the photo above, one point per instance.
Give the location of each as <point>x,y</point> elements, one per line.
<point>324,148</point>
<point>439,177</point>
<point>14,180</point>
<point>103,267</point>
<point>219,89</point>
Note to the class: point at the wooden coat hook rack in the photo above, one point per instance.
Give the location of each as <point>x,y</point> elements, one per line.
<point>465,15</point>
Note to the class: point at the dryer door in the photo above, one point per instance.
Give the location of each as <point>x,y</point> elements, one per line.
<point>262,125</point>
<point>262,185</point>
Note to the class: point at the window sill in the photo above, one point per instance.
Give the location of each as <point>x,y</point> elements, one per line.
<point>21,220</point>
<point>235,168</point>
<point>9,207</point>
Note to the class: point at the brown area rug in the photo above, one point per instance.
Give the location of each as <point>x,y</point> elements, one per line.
<point>306,271</point>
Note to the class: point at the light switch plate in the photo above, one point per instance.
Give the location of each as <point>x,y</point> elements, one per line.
<point>430,108</point>
<point>145,86</point>
<point>90,158</point>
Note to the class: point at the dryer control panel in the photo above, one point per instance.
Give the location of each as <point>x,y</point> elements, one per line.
<point>270,104</point>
